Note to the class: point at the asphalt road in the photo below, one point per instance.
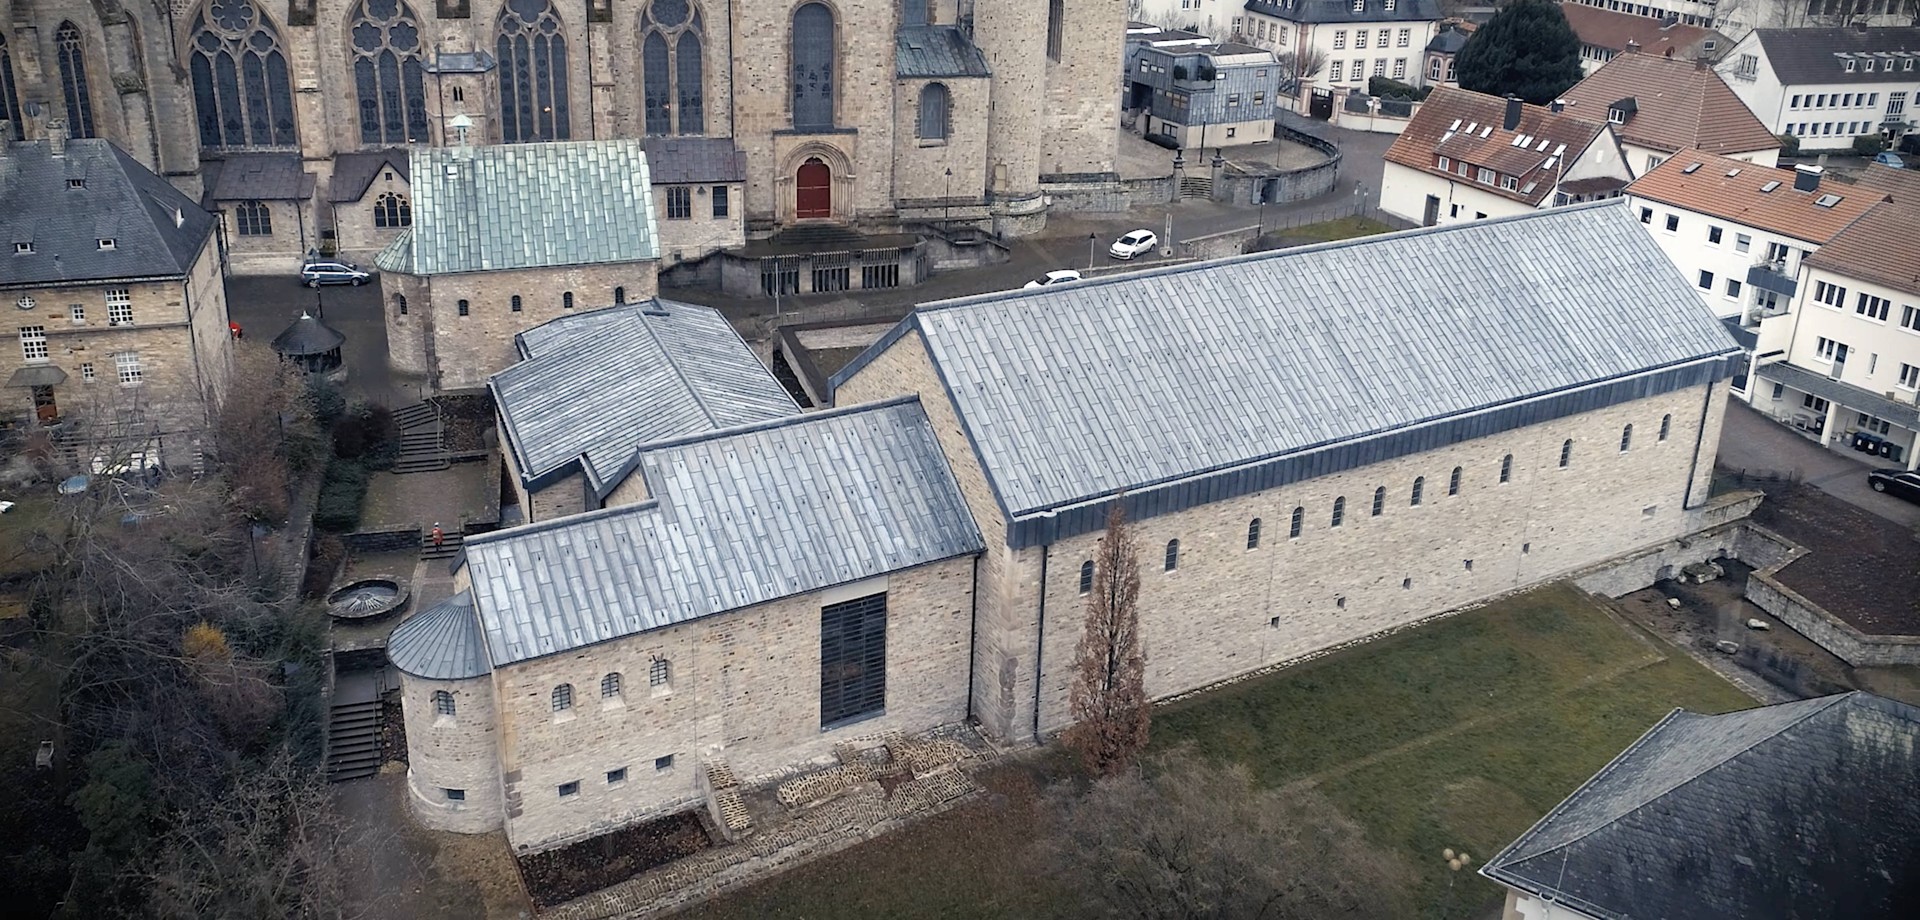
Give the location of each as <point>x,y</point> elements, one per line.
<point>264,305</point>
<point>1750,440</point>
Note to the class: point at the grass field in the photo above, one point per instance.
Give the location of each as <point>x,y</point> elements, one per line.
<point>1459,734</point>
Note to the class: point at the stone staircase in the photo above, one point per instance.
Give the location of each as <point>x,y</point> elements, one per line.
<point>1196,187</point>
<point>423,446</point>
<point>451,542</point>
<point>353,728</point>
<point>821,237</point>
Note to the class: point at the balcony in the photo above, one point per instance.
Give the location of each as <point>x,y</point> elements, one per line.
<point>1772,276</point>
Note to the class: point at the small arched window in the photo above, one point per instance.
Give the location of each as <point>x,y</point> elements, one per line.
<point>566,300</point>
<point>1173,555</point>
<point>1339,510</point>
<point>1566,453</point>
<point>935,103</point>
<point>563,698</point>
<point>610,685</point>
<point>1506,468</point>
<point>442,703</point>
<point>659,673</point>
<point>1253,534</point>
<point>1626,439</point>
<point>1453,482</point>
<point>516,303</point>
<point>1379,500</point>
<point>1086,577</point>
<point>1419,490</point>
<point>391,211</point>
<point>620,295</point>
<point>1666,426</point>
<point>463,308</point>
<point>1299,521</point>
<point>400,300</point>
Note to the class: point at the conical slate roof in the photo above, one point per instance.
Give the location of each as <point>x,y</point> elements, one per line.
<point>309,335</point>
<point>441,642</point>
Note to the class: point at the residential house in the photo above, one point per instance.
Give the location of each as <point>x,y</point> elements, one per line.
<point>1829,86</point>
<point>1736,18</point>
<point>1801,809</point>
<point>1356,39</point>
<point>1470,156</point>
<point>120,309</point>
<point>1441,53</point>
<point>1213,18</point>
<point>496,247</point>
<point>1605,35</point>
<point>1200,93</point>
<point>1660,105</point>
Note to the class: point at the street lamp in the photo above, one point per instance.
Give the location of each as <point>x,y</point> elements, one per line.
<point>946,216</point>
<point>1092,247</point>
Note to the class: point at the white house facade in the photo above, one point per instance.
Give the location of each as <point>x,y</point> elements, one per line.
<point>1735,18</point>
<point>1356,39</point>
<point>1828,86</point>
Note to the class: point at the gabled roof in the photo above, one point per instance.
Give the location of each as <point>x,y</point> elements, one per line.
<point>1440,128</point>
<point>1879,248</point>
<point>1678,105</point>
<point>1903,185</point>
<point>684,160</point>
<point>1657,38</point>
<point>1742,199</point>
<point>1185,385</point>
<point>1804,809</point>
<point>599,385</point>
<point>1803,56</point>
<point>121,200</point>
<point>1449,40</point>
<point>738,518</point>
<point>937,51</point>
<point>442,642</point>
<point>258,177</point>
<point>1335,11</point>
<point>513,206</point>
<point>354,171</point>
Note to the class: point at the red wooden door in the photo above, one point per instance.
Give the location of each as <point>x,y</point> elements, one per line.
<point>813,190</point>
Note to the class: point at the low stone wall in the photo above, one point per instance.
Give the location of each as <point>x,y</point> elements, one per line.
<point>1809,619</point>
<point>1219,245</point>
<point>382,541</point>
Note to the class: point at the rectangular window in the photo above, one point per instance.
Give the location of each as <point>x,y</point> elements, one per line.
<point>1742,242</point>
<point>1405,38</point>
<point>1333,72</point>
<point>1825,348</point>
<point>1259,99</point>
<point>853,660</point>
<point>1706,281</point>
<point>119,307</point>
<point>1359,39</point>
<point>1445,164</point>
<point>1509,183</point>
<point>1910,317</point>
<point>1873,308</point>
<point>569,790</point>
<point>77,313</point>
<point>1733,287</point>
<point>1485,176</point>
<point>1340,39</point>
<point>1382,38</point>
<point>1379,67</point>
<point>1433,68</point>
<point>663,762</point>
<point>1713,235</point>
<point>1646,215</point>
<point>616,777</point>
<point>1813,402</point>
<point>86,372</point>
<point>1910,377</point>
<point>127,365</point>
<point>1832,295</point>
<point>456,795</point>
<point>1673,223</point>
<point>1399,68</point>
<point>33,342</point>
<point>721,205</point>
<point>1796,102</point>
<point>679,202</point>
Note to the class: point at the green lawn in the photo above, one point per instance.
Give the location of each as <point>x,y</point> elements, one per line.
<point>1459,734</point>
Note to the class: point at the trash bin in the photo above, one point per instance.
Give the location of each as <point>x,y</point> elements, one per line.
<point>1860,442</point>
<point>1886,448</point>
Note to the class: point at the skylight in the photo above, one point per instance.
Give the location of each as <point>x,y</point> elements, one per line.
<point>1827,201</point>
<point>1691,169</point>
<point>1770,186</point>
<point>1733,172</point>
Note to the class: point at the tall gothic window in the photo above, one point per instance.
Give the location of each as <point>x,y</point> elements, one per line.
<point>9,96</point>
<point>671,71</point>
<point>533,73</point>
<point>934,104</point>
<point>73,80</point>
<point>813,53</point>
<point>240,86</point>
<point>386,73</point>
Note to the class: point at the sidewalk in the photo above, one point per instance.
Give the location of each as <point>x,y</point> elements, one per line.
<point>1750,440</point>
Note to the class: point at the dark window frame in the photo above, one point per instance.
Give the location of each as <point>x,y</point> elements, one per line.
<point>853,661</point>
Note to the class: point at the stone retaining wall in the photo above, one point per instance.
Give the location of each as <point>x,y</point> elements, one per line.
<point>383,541</point>
<point>1769,552</point>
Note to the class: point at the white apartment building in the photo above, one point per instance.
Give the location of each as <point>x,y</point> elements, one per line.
<point>1212,17</point>
<point>1735,18</point>
<point>1828,86</point>
<point>1357,39</point>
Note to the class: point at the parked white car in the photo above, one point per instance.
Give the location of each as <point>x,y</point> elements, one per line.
<point>1062,276</point>
<point>1133,244</point>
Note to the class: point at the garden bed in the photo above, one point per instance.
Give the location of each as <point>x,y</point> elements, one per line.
<point>1861,567</point>
<point>558,876</point>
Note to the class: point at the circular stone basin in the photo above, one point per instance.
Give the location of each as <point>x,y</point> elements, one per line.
<point>366,598</point>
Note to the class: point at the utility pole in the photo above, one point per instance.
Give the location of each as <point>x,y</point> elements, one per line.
<point>1092,247</point>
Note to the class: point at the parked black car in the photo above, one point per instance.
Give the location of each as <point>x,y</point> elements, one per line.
<point>1896,482</point>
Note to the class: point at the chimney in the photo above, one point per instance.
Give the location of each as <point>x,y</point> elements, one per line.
<point>1513,113</point>
<point>1701,64</point>
<point>1557,106</point>
<point>1806,178</point>
<point>1633,47</point>
<point>57,136</point>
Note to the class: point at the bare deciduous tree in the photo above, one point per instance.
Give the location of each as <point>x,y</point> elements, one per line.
<point>1108,699</point>
<point>263,433</point>
<point>1186,838</point>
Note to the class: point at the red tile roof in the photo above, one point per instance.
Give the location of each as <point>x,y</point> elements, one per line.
<point>1679,106</point>
<point>1878,248</point>
<point>1739,197</point>
<point>1610,30</point>
<point>1441,126</point>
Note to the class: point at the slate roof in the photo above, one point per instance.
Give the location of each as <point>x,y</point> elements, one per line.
<point>739,517</point>
<point>1441,128</point>
<point>683,160</point>
<point>1677,105</point>
<point>258,177</point>
<point>1800,56</point>
<point>937,51</point>
<point>1189,384</point>
<point>1879,248</point>
<point>1335,11</point>
<point>308,335</point>
<point>1449,41</point>
<point>442,642</point>
<point>122,201</point>
<point>354,171</point>
<point>601,384</point>
<point>1739,198</point>
<point>513,206</point>
<point>1800,810</point>
<point>1657,38</point>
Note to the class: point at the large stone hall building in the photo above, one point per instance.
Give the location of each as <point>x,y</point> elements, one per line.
<point>868,112</point>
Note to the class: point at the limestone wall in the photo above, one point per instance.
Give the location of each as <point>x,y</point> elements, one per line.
<point>457,752</point>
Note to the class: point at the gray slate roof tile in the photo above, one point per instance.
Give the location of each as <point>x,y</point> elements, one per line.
<point>739,517</point>
<point>684,160</point>
<point>441,642</point>
<point>259,177</point>
<point>1803,56</point>
<point>354,171</point>
<point>121,200</point>
<point>937,51</point>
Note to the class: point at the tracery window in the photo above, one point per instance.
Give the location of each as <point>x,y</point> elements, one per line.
<point>532,52</point>
<point>813,67</point>
<point>391,92</point>
<point>392,210</point>
<point>672,42</point>
<point>240,86</point>
<point>9,93</point>
<point>73,80</point>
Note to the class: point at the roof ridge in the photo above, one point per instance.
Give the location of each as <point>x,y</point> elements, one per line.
<point>680,374</point>
<point>781,422</point>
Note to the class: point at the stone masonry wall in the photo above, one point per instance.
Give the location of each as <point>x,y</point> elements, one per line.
<point>1083,99</point>
<point>452,752</point>
<point>920,166</point>
<point>1013,35</point>
<point>352,222</point>
<point>743,688</point>
<point>693,237</point>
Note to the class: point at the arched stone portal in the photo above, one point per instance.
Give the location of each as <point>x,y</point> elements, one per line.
<point>813,190</point>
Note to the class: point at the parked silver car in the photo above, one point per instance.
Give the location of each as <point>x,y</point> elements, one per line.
<point>314,274</point>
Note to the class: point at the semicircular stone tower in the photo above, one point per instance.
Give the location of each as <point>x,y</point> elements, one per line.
<point>446,692</point>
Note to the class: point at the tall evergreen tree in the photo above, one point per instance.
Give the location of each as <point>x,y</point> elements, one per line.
<point>1527,49</point>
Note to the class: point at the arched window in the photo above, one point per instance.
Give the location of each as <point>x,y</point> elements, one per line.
<point>1626,439</point>
<point>9,92</point>
<point>1419,490</point>
<point>563,698</point>
<point>1299,520</point>
<point>1086,577</point>
<point>1253,534</point>
<point>240,87</point>
<point>610,685</point>
<point>386,73</point>
<point>1506,468</point>
<point>1566,453</point>
<point>659,673</point>
<point>1173,555</point>
<point>620,295</point>
<point>252,218</point>
<point>1453,482</point>
<point>1666,426</point>
<point>566,300</point>
<point>516,303</point>
<point>442,703</point>
<point>1339,510</point>
<point>672,37</point>
<point>392,210</point>
<point>813,67</point>
<point>401,301</point>
<point>1379,500</point>
<point>73,80</point>
<point>934,105</point>
<point>462,307</point>
<point>913,12</point>
<point>532,53</point>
